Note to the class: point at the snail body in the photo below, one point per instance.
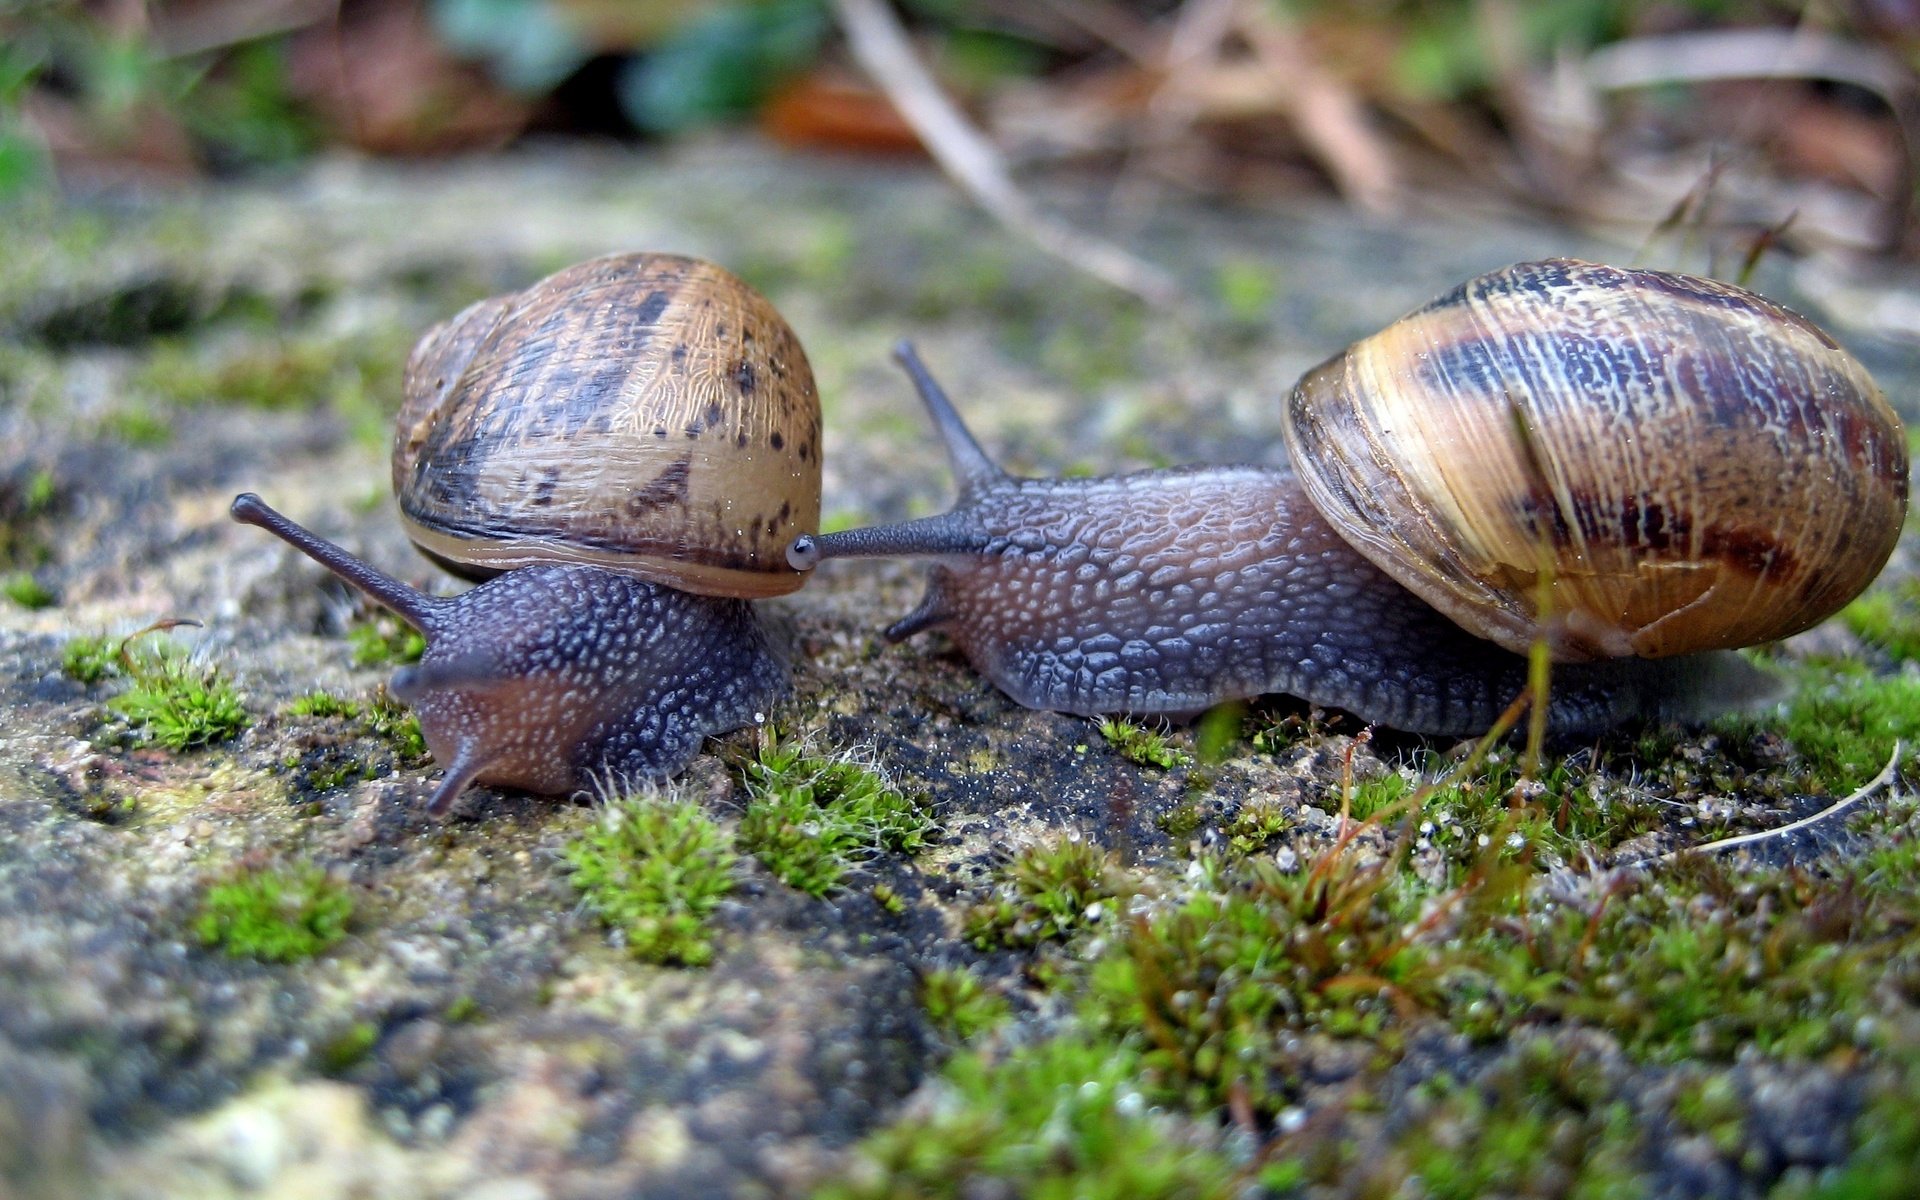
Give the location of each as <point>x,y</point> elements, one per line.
<point>552,676</point>
<point>1168,591</point>
<point>618,453</point>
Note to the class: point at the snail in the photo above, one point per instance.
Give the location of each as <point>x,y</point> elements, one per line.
<point>619,455</point>
<point>1679,466</point>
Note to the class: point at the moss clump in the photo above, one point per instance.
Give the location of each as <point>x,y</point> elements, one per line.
<point>655,870</point>
<point>1280,733</point>
<point>280,915</point>
<point>960,1004</point>
<point>1886,1157</point>
<point>273,377</point>
<point>348,1049</point>
<point>1846,724</point>
<point>809,819</point>
<point>1254,952</point>
<point>322,704</point>
<point>1049,891</point>
<point>1710,963</point>
<point>1560,809</point>
<point>1141,746</point>
<point>1182,820</point>
<point>1061,1118</point>
<point>136,427</point>
<point>1259,821</point>
<point>387,718</point>
<point>26,591</point>
<point>1712,1105</point>
<point>1540,1125</point>
<point>1244,290</point>
<point>385,640</point>
<point>89,659</point>
<point>176,703</point>
<point>1889,618</point>
<point>350,374</point>
<point>1378,795</point>
<point>331,768</point>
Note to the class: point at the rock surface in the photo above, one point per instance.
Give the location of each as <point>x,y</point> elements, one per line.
<point>477,1033</point>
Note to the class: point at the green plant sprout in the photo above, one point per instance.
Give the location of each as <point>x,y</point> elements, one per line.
<point>811,819</point>
<point>1141,746</point>
<point>172,701</point>
<point>655,870</point>
<point>277,915</point>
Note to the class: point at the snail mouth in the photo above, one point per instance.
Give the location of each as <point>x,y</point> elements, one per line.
<point>680,567</point>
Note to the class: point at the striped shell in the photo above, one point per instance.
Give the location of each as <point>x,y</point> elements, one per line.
<point>644,412</point>
<point>1700,467</point>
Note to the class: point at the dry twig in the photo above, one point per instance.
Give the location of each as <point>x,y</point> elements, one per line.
<point>1719,55</point>
<point>878,41</point>
<point>1828,813</point>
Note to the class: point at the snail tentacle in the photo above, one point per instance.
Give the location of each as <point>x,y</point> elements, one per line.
<point>414,606</point>
<point>973,470</point>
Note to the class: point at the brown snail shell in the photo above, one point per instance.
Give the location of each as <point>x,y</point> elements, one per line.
<point>644,412</point>
<point>1700,467</point>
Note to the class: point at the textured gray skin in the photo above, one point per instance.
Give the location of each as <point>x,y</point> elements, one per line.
<point>1169,591</point>
<point>555,678</point>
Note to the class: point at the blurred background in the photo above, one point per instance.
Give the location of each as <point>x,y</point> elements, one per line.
<point>1763,124</point>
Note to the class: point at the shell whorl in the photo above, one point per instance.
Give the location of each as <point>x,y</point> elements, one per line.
<point>645,412</point>
<point>1705,468</point>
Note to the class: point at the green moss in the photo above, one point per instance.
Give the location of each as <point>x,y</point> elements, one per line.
<point>1564,810</point>
<point>1244,288</point>
<point>262,377</point>
<point>1711,1105</point>
<point>810,819</point>
<point>1145,747</point>
<point>1259,821</point>
<point>1888,617</point>
<point>385,640</point>
<point>137,426</point>
<point>1063,1118</point>
<point>334,767</point>
<point>350,1048</point>
<point>1219,731</point>
<point>387,718</point>
<point>1376,795</point>
<point>960,1004</point>
<point>278,915</point>
<point>290,374</point>
<point>1277,735</point>
<point>1531,1129</point>
<point>1886,1157</point>
<point>174,702</point>
<point>655,870</point>
<point>26,591</point>
<point>322,704</point>
<point>1707,965</point>
<point>1845,725</point>
<point>38,495</point>
<point>1094,344</point>
<point>1182,820</point>
<point>89,658</point>
<point>1206,987</point>
<point>1049,891</point>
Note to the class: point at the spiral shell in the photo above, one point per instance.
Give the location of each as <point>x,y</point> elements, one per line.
<point>645,412</point>
<point>1621,461</point>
